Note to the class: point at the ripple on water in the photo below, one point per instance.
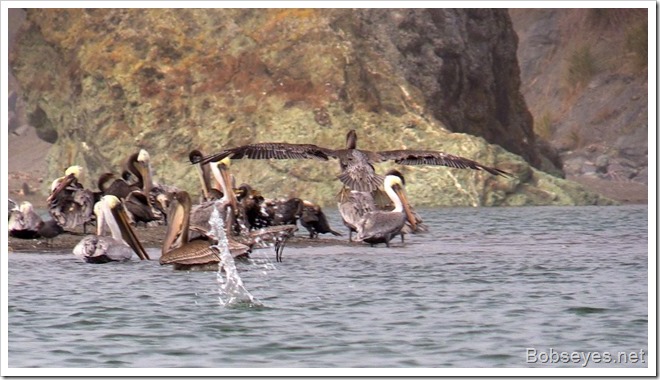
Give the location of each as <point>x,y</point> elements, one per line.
<point>454,297</point>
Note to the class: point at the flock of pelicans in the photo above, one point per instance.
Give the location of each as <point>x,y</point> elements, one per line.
<point>250,220</point>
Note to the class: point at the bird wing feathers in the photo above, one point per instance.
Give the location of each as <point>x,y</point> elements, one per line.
<point>429,157</point>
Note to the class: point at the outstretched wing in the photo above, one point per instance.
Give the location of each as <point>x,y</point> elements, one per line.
<point>429,157</point>
<point>265,151</point>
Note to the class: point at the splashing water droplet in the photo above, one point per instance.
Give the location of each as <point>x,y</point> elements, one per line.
<point>232,292</point>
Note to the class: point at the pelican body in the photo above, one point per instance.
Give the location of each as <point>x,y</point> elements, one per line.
<point>149,203</point>
<point>120,246</point>
<point>24,222</point>
<point>70,204</point>
<point>197,254</point>
<point>379,226</point>
<point>353,205</point>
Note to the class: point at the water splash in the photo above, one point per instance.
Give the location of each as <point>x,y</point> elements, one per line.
<point>232,292</point>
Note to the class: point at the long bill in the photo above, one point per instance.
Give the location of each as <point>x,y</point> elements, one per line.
<point>202,179</point>
<point>66,181</point>
<point>221,173</point>
<point>401,193</point>
<point>127,232</point>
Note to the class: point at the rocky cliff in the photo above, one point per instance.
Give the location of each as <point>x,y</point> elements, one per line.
<point>585,79</point>
<point>100,84</point>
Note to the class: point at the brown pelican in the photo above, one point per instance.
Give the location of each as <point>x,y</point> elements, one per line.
<point>239,229</point>
<point>210,188</point>
<point>25,223</point>
<point>354,204</point>
<point>381,226</point>
<point>201,213</point>
<point>99,249</point>
<point>157,197</point>
<point>357,171</point>
<point>315,220</point>
<point>197,254</point>
<point>70,204</point>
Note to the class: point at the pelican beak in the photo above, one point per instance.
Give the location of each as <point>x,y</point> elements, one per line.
<point>226,176</point>
<point>66,181</point>
<point>200,173</point>
<point>100,217</point>
<point>127,232</point>
<point>176,226</point>
<point>147,183</point>
<point>401,193</point>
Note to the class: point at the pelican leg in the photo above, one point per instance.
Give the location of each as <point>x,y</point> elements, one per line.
<point>279,246</point>
<point>277,251</point>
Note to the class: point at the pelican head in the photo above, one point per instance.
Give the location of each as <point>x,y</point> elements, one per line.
<point>71,174</point>
<point>195,156</point>
<point>225,161</point>
<point>143,156</point>
<point>76,170</point>
<point>395,183</point>
<point>26,207</point>
<point>112,211</point>
<point>221,173</point>
<point>351,139</point>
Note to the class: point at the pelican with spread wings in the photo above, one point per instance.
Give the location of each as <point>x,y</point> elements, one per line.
<point>357,170</point>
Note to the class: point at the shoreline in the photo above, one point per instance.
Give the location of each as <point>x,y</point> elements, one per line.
<point>152,237</point>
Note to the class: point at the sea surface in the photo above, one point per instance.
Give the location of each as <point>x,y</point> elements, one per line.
<point>485,287</point>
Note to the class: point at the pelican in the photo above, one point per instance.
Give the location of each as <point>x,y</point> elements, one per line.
<point>157,197</point>
<point>237,224</point>
<point>201,213</point>
<point>381,226</point>
<point>354,204</point>
<point>99,249</point>
<point>70,204</point>
<point>315,221</point>
<point>357,171</point>
<point>197,254</point>
<point>24,222</point>
<point>210,188</point>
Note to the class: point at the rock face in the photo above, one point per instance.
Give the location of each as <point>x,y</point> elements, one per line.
<point>585,80</point>
<point>102,83</point>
